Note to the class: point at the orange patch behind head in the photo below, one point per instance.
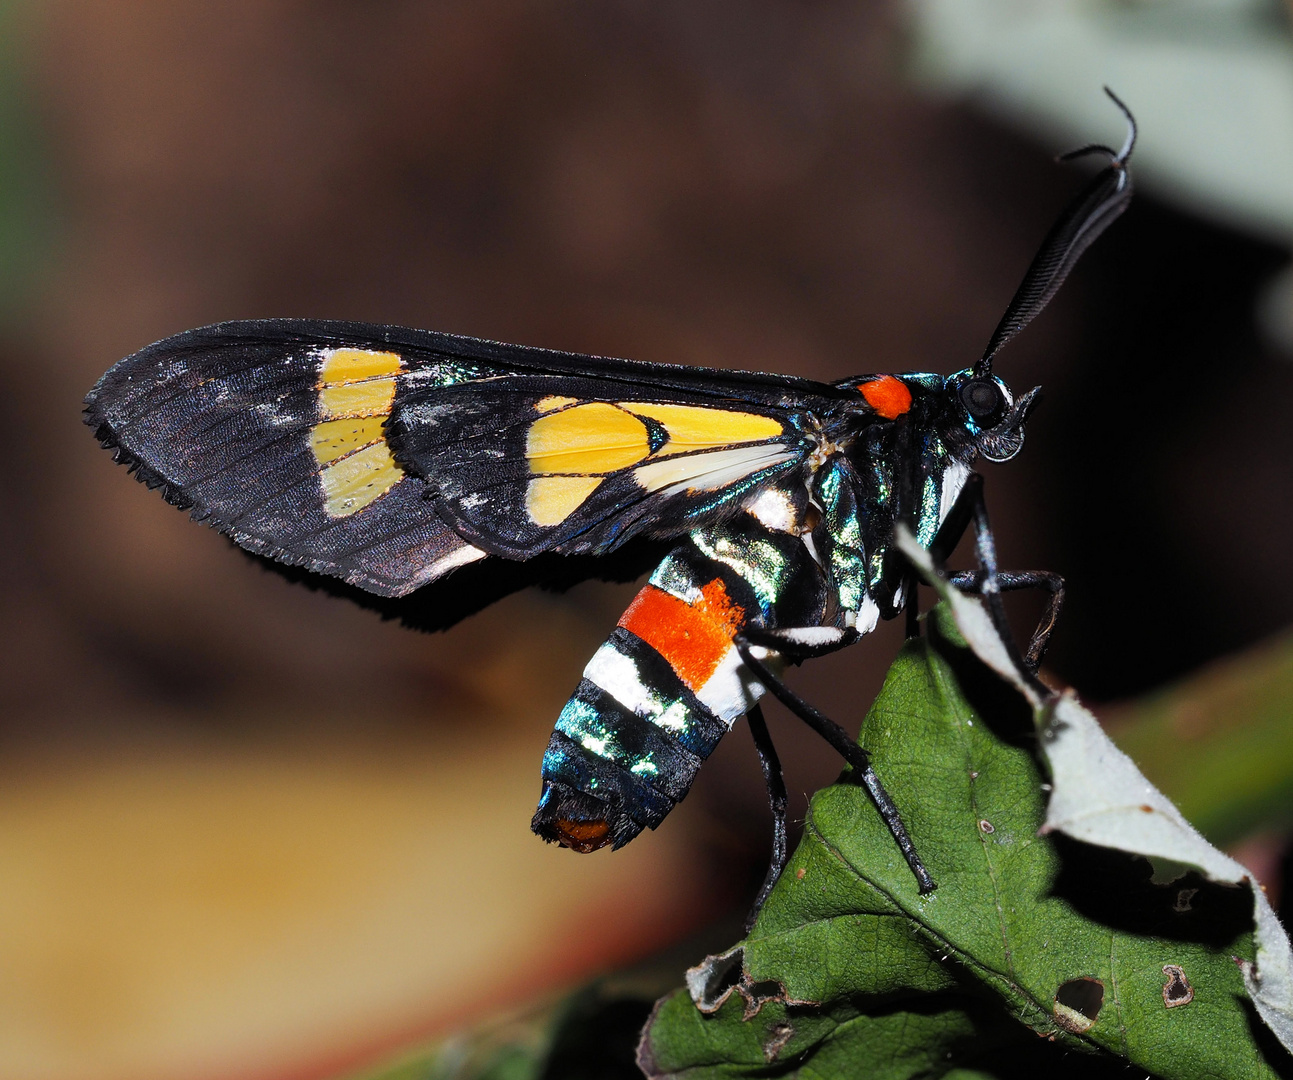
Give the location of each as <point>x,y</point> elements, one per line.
<point>694,638</point>
<point>888,396</point>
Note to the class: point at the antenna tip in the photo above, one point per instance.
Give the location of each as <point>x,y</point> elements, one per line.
<point>1130,142</point>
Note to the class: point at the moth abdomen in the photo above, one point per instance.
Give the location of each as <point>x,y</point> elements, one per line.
<point>667,684</point>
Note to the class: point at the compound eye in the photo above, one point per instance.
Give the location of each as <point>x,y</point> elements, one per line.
<point>984,401</point>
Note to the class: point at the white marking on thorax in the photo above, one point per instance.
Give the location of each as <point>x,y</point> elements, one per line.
<point>822,453</point>
<point>807,538</point>
<point>773,509</point>
<point>954,477</point>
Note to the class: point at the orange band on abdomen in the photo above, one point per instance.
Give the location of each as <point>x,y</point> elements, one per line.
<point>694,638</point>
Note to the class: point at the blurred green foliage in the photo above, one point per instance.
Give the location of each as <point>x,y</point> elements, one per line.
<point>1220,744</point>
<point>590,1035</point>
<point>26,215</point>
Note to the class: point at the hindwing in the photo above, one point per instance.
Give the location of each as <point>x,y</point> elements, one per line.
<point>567,463</point>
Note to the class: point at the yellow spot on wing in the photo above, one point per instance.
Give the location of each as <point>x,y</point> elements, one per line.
<point>358,479</point>
<point>352,365</point>
<point>356,391</point>
<point>592,438</point>
<point>371,398</point>
<point>695,427</point>
<point>549,500</point>
<point>553,401</point>
<point>334,439</point>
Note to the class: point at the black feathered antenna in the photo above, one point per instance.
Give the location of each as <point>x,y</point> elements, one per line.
<point>1093,211</point>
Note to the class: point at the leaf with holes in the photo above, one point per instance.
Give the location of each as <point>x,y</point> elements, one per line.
<point>849,971</point>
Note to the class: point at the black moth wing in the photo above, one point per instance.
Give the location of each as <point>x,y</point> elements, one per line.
<point>274,432</point>
<point>225,420</point>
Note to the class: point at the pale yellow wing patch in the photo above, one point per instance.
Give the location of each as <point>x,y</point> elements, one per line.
<point>591,438</point>
<point>354,365</point>
<point>357,382</point>
<point>370,398</point>
<point>554,401</point>
<point>692,427</point>
<point>549,500</point>
<point>359,478</point>
<point>334,439</point>
<point>356,390</point>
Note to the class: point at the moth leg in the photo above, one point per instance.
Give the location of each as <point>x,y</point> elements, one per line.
<point>911,612</point>
<point>988,580</point>
<point>1010,580</point>
<point>776,785</point>
<point>850,751</point>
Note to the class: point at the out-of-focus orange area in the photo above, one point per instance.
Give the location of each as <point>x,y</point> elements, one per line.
<point>267,911</point>
<point>249,830</point>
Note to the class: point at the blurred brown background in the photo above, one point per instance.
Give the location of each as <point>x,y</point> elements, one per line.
<point>250,830</point>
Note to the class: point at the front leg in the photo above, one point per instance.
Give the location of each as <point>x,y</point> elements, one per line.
<point>989,582</point>
<point>970,581</point>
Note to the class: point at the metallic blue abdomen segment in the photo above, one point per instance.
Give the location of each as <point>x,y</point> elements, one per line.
<point>648,687</point>
<point>602,726</point>
<point>567,763</point>
<point>638,756</point>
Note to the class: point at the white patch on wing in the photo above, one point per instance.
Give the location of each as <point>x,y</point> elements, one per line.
<point>954,477</point>
<point>458,557</point>
<point>466,554</point>
<point>708,472</point>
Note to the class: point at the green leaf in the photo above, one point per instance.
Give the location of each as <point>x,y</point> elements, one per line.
<point>1101,797</point>
<point>851,972</point>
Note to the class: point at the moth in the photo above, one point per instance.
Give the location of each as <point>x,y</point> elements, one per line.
<point>393,459</point>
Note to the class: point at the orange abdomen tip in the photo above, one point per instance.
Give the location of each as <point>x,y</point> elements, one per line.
<point>582,836</point>
<point>887,395</point>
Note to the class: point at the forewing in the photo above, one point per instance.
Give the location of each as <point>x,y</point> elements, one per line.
<point>275,432</point>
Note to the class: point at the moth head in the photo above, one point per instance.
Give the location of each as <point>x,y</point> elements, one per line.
<point>990,416</point>
<point>983,407</point>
